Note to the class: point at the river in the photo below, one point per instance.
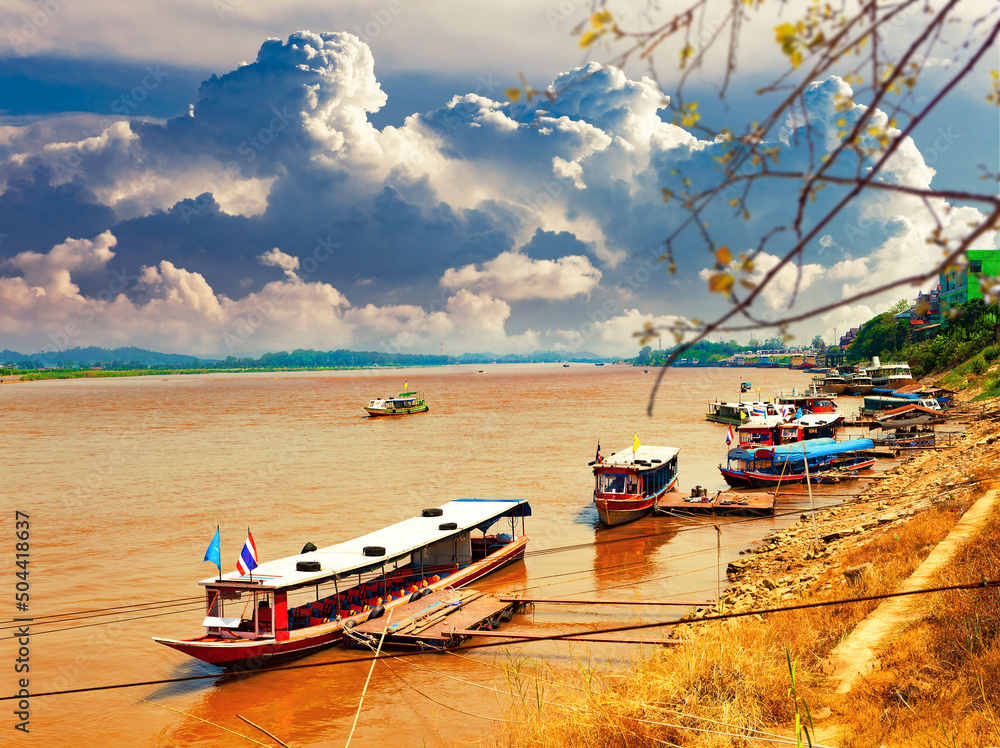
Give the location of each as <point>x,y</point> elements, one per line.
<point>125,480</point>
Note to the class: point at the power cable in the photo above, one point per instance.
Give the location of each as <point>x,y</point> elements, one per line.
<point>982,584</point>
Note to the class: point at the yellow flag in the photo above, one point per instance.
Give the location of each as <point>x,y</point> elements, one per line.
<point>635,444</point>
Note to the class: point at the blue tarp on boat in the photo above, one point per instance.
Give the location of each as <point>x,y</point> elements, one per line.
<point>819,451</point>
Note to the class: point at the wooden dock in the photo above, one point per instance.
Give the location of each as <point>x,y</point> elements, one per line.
<point>722,503</point>
<point>433,620</point>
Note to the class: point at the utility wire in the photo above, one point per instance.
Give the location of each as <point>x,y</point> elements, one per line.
<point>177,602</point>
<point>982,584</point>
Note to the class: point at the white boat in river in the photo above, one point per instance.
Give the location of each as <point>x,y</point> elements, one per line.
<point>294,606</point>
<point>890,376</point>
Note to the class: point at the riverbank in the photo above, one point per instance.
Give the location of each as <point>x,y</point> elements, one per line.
<point>758,673</point>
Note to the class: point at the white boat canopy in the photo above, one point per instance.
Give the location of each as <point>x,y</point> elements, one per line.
<point>625,458</point>
<point>398,541</point>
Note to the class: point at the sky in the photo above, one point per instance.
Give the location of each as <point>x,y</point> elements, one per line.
<point>226,177</point>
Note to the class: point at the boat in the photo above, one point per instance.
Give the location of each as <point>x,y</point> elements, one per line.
<point>892,375</point>
<point>859,383</point>
<point>830,383</point>
<point>768,431</point>
<point>294,606</point>
<point>599,363</point>
<point>738,412</point>
<point>788,463</point>
<point>877,403</point>
<point>743,460</point>
<point>401,405</point>
<point>773,431</point>
<point>628,482</point>
<point>810,401</point>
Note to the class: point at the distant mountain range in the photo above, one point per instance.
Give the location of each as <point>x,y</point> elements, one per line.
<point>131,357</point>
<point>84,357</point>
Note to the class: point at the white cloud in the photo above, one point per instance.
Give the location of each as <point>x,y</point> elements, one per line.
<point>613,331</point>
<point>514,277</point>
<point>789,282</point>
<point>276,258</point>
<point>49,274</point>
<point>285,142</point>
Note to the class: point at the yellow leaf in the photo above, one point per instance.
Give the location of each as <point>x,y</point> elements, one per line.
<point>588,38</point>
<point>720,283</point>
<point>512,94</point>
<point>749,285</point>
<point>723,256</point>
<point>734,202</point>
<point>783,32</point>
<point>601,19</point>
<point>667,194</point>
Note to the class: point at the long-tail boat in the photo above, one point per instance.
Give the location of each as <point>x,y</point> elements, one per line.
<point>297,605</point>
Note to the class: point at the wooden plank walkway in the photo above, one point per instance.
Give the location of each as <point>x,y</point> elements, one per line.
<point>723,503</point>
<point>430,621</point>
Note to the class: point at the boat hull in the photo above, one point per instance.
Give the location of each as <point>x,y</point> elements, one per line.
<point>246,655</point>
<point>735,478</point>
<point>618,510</point>
<point>770,480</point>
<point>614,512</point>
<point>397,411</point>
<point>858,389</point>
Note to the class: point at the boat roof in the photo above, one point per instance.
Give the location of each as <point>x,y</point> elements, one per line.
<point>890,424</point>
<point>888,415</point>
<point>821,450</point>
<point>761,422</point>
<point>809,420</point>
<point>625,458</point>
<point>399,540</point>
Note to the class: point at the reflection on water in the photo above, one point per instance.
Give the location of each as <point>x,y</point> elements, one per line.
<point>125,481</point>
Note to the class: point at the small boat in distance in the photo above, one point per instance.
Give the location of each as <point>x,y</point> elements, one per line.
<point>858,383</point>
<point>628,482</point>
<point>401,405</point>
<point>736,413</point>
<point>809,401</point>
<point>294,606</point>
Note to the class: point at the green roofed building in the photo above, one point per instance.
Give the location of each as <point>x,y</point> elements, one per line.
<point>956,288</point>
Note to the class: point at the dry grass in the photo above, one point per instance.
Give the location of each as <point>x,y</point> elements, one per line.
<point>894,554</point>
<point>939,684</point>
<point>731,678</point>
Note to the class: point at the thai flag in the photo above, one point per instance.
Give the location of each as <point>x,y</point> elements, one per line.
<point>729,436</point>
<point>598,459</point>
<point>247,561</point>
<point>759,412</point>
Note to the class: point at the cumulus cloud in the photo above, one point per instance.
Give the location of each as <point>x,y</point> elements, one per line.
<point>482,223</point>
<point>514,277</point>
<point>49,274</point>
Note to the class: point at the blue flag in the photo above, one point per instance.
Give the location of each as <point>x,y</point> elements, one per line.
<point>798,413</point>
<point>213,554</point>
